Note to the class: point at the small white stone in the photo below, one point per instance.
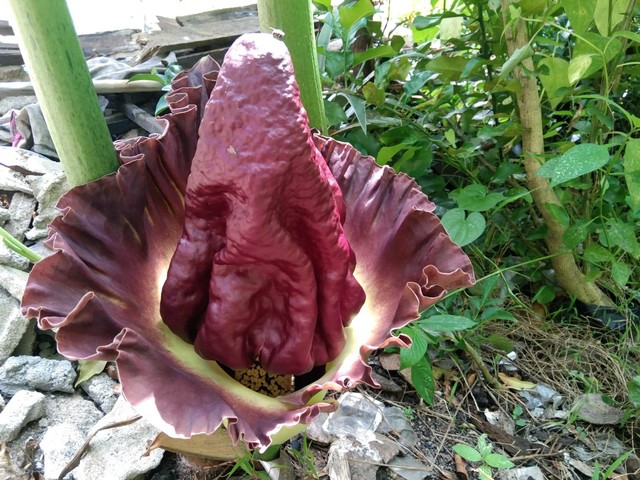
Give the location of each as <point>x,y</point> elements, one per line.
<point>59,445</point>
<point>12,325</point>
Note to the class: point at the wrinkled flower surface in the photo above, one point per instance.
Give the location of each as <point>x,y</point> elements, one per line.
<point>248,238</point>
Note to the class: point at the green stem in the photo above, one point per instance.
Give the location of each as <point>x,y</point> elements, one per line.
<point>57,68</point>
<point>295,19</point>
<point>17,246</point>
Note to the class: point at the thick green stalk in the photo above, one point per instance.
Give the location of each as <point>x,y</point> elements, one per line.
<point>62,83</point>
<point>295,19</point>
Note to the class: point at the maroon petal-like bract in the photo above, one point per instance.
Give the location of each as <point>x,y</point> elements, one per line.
<point>102,287</point>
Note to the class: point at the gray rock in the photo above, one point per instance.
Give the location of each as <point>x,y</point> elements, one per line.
<point>11,181</point>
<point>71,409</point>
<point>28,341</point>
<point>356,415</point>
<point>316,432</point>
<point>27,162</point>
<point>4,215</point>
<point>522,473</point>
<point>12,325</point>
<point>12,259</point>
<point>59,445</point>
<point>47,189</point>
<point>35,373</point>
<point>409,468</point>
<point>13,281</point>
<point>362,456</point>
<point>21,209</point>
<point>100,389</point>
<point>23,408</point>
<point>116,454</point>
<point>40,249</point>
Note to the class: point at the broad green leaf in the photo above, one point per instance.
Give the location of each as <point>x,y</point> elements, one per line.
<point>162,105</point>
<point>576,161</point>
<point>631,164</point>
<point>575,234</point>
<point>580,13</point>
<point>373,94</point>
<point>386,153</point>
<point>634,390</point>
<point>358,106</point>
<point>449,68</point>
<point>470,454</point>
<point>349,15</point>
<point>590,54</point>
<point>462,229</point>
<point>422,22</point>
<point>608,14</point>
<point>531,8</point>
<point>422,380</point>
<point>476,198</point>
<point>623,235</point>
<point>416,82</point>
<point>595,253</point>
<point>620,273</point>
<point>544,295</point>
<point>496,313</point>
<point>88,369</point>
<point>451,28</point>
<point>450,135</point>
<point>375,52</point>
<point>412,355</point>
<point>445,323</point>
<point>323,5</point>
<point>514,60</point>
<point>484,472</point>
<point>497,460</point>
<point>501,342</point>
<point>580,67</point>
<point>554,75</point>
<point>558,213</point>
<point>334,112</point>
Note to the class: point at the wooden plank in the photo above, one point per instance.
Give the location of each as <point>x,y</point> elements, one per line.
<point>142,118</point>
<point>209,30</point>
<point>104,87</point>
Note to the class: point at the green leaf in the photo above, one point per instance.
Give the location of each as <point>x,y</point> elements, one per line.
<point>634,390</point>
<point>358,105</point>
<point>514,60</point>
<point>147,76</point>
<point>558,213</point>
<point>450,135</point>
<point>470,454</point>
<point>576,234</point>
<point>349,15</point>
<point>484,472</point>
<point>386,153</point>
<point>412,355</point>
<point>476,198</point>
<point>462,229</point>
<point>497,460</point>
<point>554,75</point>
<point>620,273</point>
<point>576,161</point>
<point>422,22</point>
<point>608,14</point>
<point>501,342</point>
<point>449,68</point>
<point>590,54</point>
<point>88,369</point>
<point>322,5</point>
<point>445,323</point>
<point>595,253</point>
<point>334,112</point>
<point>623,235</point>
<point>580,13</point>
<point>496,313</point>
<point>544,295</point>
<point>162,105</point>
<point>631,165</point>
<point>422,380</point>
<point>375,52</point>
<point>373,94</point>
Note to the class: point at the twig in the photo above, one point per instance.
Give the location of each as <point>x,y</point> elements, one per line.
<point>9,89</point>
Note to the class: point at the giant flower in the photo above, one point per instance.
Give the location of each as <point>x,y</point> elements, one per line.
<point>239,265</point>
